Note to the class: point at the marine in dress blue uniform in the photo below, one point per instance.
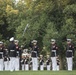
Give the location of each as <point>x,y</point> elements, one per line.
<point>54,54</point>
<point>41,63</point>
<point>12,54</point>
<point>1,55</point>
<point>58,64</point>
<point>17,55</point>
<point>48,63</point>
<point>69,54</point>
<point>34,55</point>
<point>25,61</point>
<point>6,60</point>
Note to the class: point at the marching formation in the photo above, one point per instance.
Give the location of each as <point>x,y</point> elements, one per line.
<point>15,58</point>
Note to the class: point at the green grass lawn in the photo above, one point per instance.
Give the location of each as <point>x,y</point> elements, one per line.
<point>39,73</point>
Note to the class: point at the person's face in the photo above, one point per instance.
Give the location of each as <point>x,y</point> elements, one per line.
<point>68,42</point>
<point>23,56</point>
<point>1,45</point>
<point>34,43</point>
<point>52,42</point>
<point>16,43</point>
<point>47,56</point>
<point>41,56</point>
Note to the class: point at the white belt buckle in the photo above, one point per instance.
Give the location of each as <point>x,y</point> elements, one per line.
<point>53,50</point>
<point>11,50</point>
<point>1,52</point>
<point>69,50</point>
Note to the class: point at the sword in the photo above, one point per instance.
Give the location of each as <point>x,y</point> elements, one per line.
<point>25,29</point>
